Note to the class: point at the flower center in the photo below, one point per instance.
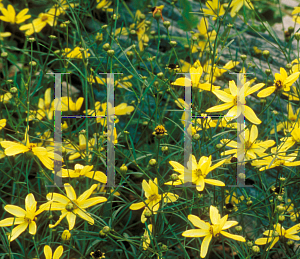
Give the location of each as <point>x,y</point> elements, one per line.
<point>32,145</point>
<point>248,145</point>
<point>198,172</point>
<point>44,18</point>
<point>278,84</point>
<point>153,197</point>
<point>160,130</point>
<point>70,206</point>
<point>213,230</point>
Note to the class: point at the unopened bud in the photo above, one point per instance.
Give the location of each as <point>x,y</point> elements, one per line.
<point>255,249</point>
<point>266,54</point>
<point>174,177</point>
<point>106,46</point>
<point>106,229</point>
<point>123,169</point>
<point>167,24</point>
<point>173,43</point>
<point>110,52</point>
<point>243,57</point>
<point>152,162</point>
<point>268,72</point>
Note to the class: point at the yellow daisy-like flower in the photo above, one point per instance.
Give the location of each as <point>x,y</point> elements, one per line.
<point>2,123</point>
<point>104,4</point>
<point>282,82</point>
<point>77,52</point>
<point>14,148</point>
<point>45,108</point>
<point>9,15</point>
<point>215,9</point>
<point>231,101</point>
<point>275,160</point>
<point>71,206</point>
<point>274,235</point>
<point>153,198</point>
<point>122,83</point>
<point>292,118</point>
<point>61,7</point>
<point>204,36</point>
<point>236,5</point>
<point>23,218</point>
<point>57,254</point>
<point>146,237</point>
<point>39,23</point>
<point>211,230</point>
<point>252,146</point>
<point>84,171</point>
<point>67,104</point>
<point>196,172</point>
<point>231,200</point>
<point>121,109</point>
<point>293,137</point>
<point>195,81</point>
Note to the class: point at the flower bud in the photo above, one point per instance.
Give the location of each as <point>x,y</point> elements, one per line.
<point>133,32</point>
<point>266,54</point>
<point>104,26</point>
<point>167,24</point>
<point>164,149</point>
<point>291,29</point>
<point>196,136</point>
<point>238,228</point>
<point>280,198</point>
<point>164,247</point>
<point>123,169</point>
<point>249,203</point>
<point>13,90</point>
<point>32,63</point>
<point>66,235</point>
<point>242,176</point>
<point>130,54</point>
<point>160,75</point>
<point>106,229</point>
<point>173,43</point>
<point>106,46</point>
<point>255,249</point>
<point>290,243</point>
<point>243,57</point>
<point>147,213</point>
<point>174,177</point>
<point>268,72</point>
<point>281,218</point>
<point>288,66</point>
<point>101,233</point>
<point>152,162</point>
<point>249,243</point>
<point>110,52</point>
<point>297,36</point>
<point>280,208</point>
<point>4,55</point>
<point>31,39</point>
<point>52,37</point>
<point>218,146</point>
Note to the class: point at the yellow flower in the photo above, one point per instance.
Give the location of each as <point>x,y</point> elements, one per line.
<point>153,198</point>
<point>104,4</point>
<point>236,5</point>
<point>71,206</point>
<point>76,53</point>
<point>196,173</point>
<point>252,147</point>
<point>67,104</point>
<point>292,118</point>
<point>66,235</point>
<point>275,160</point>
<point>84,171</point>
<point>5,97</point>
<point>45,108</point>
<point>4,35</point>
<point>77,151</point>
<point>146,237</point>
<point>215,9</point>
<point>274,235</point>
<point>293,137</point>
<point>9,15</point>
<point>232,100</point>
<point>97,255</point>
<point>57,254</point>
<point>23,218</point>
<point>231,200</point>
<point>39,23</point>
<point>215,71</point>
<point>203,36</point>
<point>2,123</point>
<point>14,148</point>
<point>211,230</point>
<point>122,83</point>
<point>282,83</point>
<point>195,81</point>
<point>61,7</point>
<point>121,109</point>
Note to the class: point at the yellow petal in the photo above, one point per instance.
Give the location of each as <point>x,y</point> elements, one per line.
<point>48,252</point>
<point>197,222</point>
<point>15,210</point>
<point>30,203</point>
<point>11,221</point>
<point>266,92</point>
<point>70,191</point>
<point>18,230</point>
<point>86,194</point>
<point>58,252</point>
<point>71,218</point>
<point>251,116</point>
<point>195,233</point>
<point>214,215</point>
<point>137,206</point>
<point>214,182</point>
<point>32,227</point>
<point>235,237</point>
<point>91,202</point>
<point>205,244</point>
<point>85,216</point>
<point>223,96</point>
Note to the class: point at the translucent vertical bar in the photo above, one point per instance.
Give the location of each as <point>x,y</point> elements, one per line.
<point>241,176</point>
<point>110,131</point>
<point>57,133</point>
